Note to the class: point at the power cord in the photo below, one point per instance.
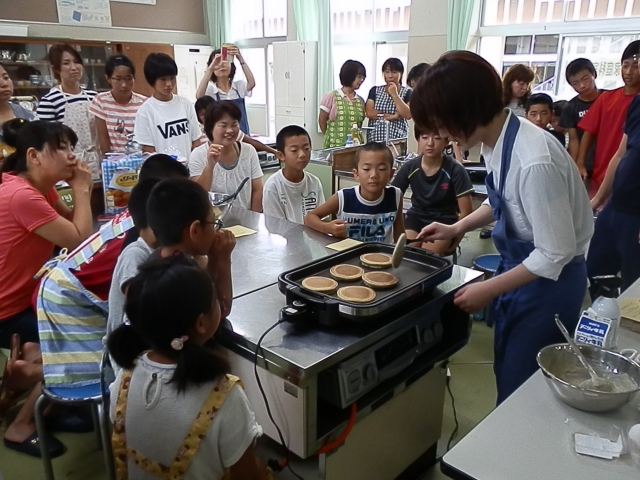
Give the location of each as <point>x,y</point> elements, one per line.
<point>273,464</point>
<point>455,413</point>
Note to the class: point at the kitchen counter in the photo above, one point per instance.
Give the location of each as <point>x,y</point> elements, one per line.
<point>530,436</point>
<point>278,246</point>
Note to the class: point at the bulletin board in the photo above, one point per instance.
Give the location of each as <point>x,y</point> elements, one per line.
<point>177,15</point>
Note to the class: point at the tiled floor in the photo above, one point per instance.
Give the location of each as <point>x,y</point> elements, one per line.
<point>472,385</point>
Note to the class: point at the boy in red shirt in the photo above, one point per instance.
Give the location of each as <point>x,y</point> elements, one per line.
<point>606,118</point>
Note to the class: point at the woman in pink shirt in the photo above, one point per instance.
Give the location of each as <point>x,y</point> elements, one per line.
<point>34,220</point>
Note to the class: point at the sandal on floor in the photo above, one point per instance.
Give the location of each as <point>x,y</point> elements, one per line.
<point>31,446</point>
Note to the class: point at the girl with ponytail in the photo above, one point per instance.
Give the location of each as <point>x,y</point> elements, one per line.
<point>162,403</point>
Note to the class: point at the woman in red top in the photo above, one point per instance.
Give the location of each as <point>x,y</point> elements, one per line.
<point>34,220</point>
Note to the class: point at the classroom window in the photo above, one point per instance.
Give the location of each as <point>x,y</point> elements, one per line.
<point>515,12</point>
<point>258,19</point>
<point>367,16</point>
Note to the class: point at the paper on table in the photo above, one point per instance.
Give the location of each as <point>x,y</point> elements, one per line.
<point>240,231</point>
<point>630,309</point>
<point>344,245</point>
<point>597,446</point>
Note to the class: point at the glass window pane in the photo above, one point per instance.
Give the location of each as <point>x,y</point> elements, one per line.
<point>275,18</point>
<point>363,53</point>
<point>246,19</point>
<point>391,15</point>
<point>605,53</point>
<point>390,50</point>
<point>598,9</point>
<point>545,44</point>
<point>544,76</point>
<point>254,57</point>
<point>354,16</point>
<point>515,12</point>
<point>517,45</point>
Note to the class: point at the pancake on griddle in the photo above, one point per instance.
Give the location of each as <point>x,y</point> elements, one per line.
<point>357,294</point>
<point>379,280</point>
<point>346,273</point>
<point>320,284</point>
<point>376,260</point>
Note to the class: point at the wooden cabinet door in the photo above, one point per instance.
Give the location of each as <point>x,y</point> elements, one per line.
<point>138,53</point>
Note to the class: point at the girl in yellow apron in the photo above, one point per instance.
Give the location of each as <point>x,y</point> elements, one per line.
<point>176,414</point>
<point>69,103</point>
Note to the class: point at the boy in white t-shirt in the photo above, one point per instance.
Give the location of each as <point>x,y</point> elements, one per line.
<point>165,123</point>
<point>291,193</point>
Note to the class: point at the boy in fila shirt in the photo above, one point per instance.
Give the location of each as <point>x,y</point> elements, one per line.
<point>370,212</point>
<point>166,123</point>
<point>292,193</point>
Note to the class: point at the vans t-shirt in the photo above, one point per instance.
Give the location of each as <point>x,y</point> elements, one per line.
<point>291,201</point>
<point>169,127</point>
<point>369,221</point>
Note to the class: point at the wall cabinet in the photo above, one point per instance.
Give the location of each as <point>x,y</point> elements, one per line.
<point>295,75</point>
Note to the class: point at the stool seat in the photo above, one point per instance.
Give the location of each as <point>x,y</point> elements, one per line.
<point>487,263</point>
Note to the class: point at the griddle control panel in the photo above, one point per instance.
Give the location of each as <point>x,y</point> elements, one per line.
<point>351,379</point>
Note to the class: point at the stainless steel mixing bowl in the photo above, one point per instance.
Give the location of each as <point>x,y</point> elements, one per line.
<point>556,360</point>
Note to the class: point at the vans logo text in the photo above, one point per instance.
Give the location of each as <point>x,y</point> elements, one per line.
<point>174,128</point>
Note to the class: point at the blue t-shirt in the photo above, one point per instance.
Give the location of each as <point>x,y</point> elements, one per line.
<point>625,195</point>
<point>369,221</point>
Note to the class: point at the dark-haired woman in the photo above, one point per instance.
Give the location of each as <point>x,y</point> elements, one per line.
<point>340,109</point>
<point>536,195</point>
<point>218,83</point>
<point>221,164</point>
<point>34,220</point>
<point>69,103</point>
<point>172,382</point>
<point>516,88</point>
<point>416,73</point>
<point>115,110</point>
<point>9,110</point>
<point>392,102</point>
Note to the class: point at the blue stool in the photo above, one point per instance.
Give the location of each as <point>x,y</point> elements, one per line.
<point>487,264</point>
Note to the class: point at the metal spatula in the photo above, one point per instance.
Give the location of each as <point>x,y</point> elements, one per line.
<point>398,252</point>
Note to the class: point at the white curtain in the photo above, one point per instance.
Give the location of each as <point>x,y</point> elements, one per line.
<point>218,21</point>
<point>313,24</point>
<point>459,18</point>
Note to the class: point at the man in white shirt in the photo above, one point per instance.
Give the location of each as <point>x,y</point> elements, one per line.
<point>544,220</point>
<point>166,123</point>
<point>291,193</point>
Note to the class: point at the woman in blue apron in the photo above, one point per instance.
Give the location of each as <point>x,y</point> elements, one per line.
<point>536,196</point>
<point>218,83</point>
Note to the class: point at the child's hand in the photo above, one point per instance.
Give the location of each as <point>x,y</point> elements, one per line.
<point>223,244</point>
<point>338,228</point>
<point>583,172</point>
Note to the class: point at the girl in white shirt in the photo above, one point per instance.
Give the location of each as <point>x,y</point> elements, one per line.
<point>218,83</point>
<point>174,407</point>
<point>221,164</point>
<point>536,195</point>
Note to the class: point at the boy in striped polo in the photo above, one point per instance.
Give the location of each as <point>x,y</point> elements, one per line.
<point>370,212</point>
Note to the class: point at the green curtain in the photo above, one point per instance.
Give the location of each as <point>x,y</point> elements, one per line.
<point>459,23</point>
<point>218,21</point>
<point>313,24</point>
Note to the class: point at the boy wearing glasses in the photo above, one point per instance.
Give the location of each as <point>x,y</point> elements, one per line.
<point>115,110</point>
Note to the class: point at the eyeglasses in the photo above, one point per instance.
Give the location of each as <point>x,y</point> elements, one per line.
<point>217,224</point>
<point>122,79</point>
<point>360,77</point>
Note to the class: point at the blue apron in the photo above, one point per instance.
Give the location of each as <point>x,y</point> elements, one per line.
<point>239,102</point>
<point>524,317</point>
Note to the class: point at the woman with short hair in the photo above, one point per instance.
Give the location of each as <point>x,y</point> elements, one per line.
<point>343,107</point>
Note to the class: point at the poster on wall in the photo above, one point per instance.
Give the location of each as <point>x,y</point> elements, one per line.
<point>141,2</point>
<point>84,13</point>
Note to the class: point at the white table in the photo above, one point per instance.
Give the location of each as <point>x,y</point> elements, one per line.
<point>530,436</point>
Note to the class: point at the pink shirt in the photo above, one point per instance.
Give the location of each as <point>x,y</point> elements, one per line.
<point>119,118</point>
<point>328,103</point>
<point>23,209</point>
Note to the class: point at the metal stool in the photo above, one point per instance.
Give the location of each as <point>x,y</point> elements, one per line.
<point>487,264</point>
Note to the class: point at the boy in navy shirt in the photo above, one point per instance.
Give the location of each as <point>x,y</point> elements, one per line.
<point>539,111</point>
<point>370,212</point>
<point>615,246</point>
